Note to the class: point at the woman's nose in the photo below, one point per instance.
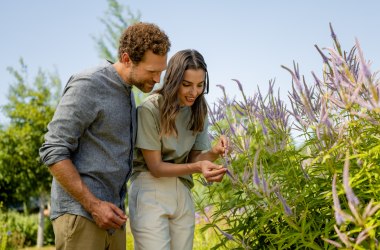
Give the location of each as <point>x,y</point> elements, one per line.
<point>193,90</point>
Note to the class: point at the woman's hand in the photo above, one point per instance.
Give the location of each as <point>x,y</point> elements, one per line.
<point>222,146</point>
<point>212,172</point>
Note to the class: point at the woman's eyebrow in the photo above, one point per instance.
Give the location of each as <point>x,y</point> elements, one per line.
<point>192,82</point>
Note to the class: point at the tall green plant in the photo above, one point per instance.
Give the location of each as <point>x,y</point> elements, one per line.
<point>282,196</point>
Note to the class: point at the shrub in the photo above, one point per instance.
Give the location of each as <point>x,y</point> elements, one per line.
<point>319,193</point>
<point>21,230</point>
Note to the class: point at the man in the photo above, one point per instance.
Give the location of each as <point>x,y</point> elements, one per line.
<point>89,143</point>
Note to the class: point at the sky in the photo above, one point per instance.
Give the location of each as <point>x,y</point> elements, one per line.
<point>247,40</point>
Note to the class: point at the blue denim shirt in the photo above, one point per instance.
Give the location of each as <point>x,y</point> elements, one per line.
<point>94,125</point>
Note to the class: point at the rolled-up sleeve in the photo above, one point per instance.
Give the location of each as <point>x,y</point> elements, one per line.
<point>202,141</point>
<point>72,117</point>
<point>148,132</point>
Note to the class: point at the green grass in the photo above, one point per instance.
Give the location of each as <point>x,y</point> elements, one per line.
<point>39,248</point>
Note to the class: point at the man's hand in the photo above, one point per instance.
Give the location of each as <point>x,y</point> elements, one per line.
<point>107,215</point>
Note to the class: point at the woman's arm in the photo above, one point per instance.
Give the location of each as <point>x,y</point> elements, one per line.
<point>219,149</point>
<point>158,168</point>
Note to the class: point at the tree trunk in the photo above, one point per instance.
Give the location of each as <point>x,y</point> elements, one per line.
<point>41,217</point>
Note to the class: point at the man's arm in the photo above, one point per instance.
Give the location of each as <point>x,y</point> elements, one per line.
<point>105,214</point>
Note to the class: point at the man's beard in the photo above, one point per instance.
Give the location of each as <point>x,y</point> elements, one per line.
<point>141,84</point>
<point>132,79</point>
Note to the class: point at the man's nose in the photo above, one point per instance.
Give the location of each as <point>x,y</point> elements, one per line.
<point>157,76</point>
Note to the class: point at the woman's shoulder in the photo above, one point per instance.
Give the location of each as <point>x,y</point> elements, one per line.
<point>152,102</point>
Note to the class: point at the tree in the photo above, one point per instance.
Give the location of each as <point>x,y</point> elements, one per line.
<point>116,19</point>
<point>30,108</point>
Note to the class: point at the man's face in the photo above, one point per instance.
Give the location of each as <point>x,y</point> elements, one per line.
<point>147,73</point>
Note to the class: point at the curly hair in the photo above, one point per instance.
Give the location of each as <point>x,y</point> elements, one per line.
<point>140,37</point>
<point>178,64</point>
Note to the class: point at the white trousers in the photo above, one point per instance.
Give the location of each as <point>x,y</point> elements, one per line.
<point>161,213</point>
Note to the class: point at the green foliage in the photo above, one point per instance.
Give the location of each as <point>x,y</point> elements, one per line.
<point>319,194</point>
<point>116,19</point>
<point>30,108</point>
<point>21,230</point>
<point>49,237</point>
<point>4,233</point>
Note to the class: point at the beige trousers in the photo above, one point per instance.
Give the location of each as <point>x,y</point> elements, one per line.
<point>74,232</point>
<point>161,213</point>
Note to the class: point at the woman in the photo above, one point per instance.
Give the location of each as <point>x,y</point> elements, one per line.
<point>172,144</point>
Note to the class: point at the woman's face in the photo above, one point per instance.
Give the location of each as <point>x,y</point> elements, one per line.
<point>191,87</point>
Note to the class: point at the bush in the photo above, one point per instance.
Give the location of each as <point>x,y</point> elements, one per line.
<point>319,192</point>
<point>21,230</point>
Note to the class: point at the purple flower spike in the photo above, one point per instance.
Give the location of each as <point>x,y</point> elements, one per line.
<point>343,237</point>
<point>207,209</point>
<point>247,142</point>
<point>363,235</point>
<point>224,93</point>
<point>338,217</point>
<point>303,166</point>
<point>287,209</point>
<point>256,178</point>
<point>197,218</point>
<point>239,85</point>
<point>370,210</point>
<point>226,163</point>
<point>230,175</point>
<point>246,174</point>
<point>351,197</point>
<point>337,59</point>
<point>221,87</point>
<point>227,235</point>
<point>295,79</point>
<point>334,243</point>
<point>332,32</point>
<point>325,59</point>
<point>364,65</point>
<point>265,184</point>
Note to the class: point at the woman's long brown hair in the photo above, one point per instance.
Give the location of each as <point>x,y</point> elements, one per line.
<point>178,64</point>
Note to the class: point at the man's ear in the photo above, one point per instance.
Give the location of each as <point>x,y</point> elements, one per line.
<point>126,59</point>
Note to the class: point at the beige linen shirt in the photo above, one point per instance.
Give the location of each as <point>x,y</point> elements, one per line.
<point>173,149</point>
